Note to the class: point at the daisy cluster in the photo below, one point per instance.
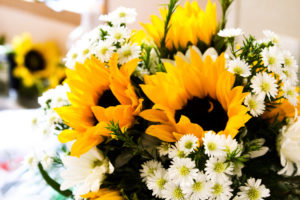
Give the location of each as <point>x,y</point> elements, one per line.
<point>106,39</point>
<point>48,120</point>
<point>49,123</point>
<point>188,178</point>
<point>266,70</point>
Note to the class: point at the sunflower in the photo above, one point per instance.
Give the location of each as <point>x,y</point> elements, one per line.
<point>194,97</point>
<point>99,95</point>
<point>35,62</point>
<point>282,110</point>
<point>103,194</point>
<point>197,25</point>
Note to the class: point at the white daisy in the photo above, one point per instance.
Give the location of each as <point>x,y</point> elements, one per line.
<point>239,67</point>
<point>71,57</point>
<point>264,84</point>
<point>230,144</point>
<point>221,191</point>
<point>217,170</point>
<point>290,92</point>
<point>182,171</point>
<point>200,189</point>
<point>119,34</point>
<point>84,50</point>
<point>164,148</point>
<point>230,32</point>
<point>86,172</point>
<point>104,50</point>
<point>54,98</point>
<point>47,160</point>
<point>173,191</point>
<point>271,36</point>
<point>253,190</point>
<point>128,52</point>
<point>289,76</point>
<point>255,104</point>
<point>148,169</point>
<point>289,61</point>
<point>213,144</point>
<point>121,15</point>
<point>188,143</point>
<point>157,182</point>
<point>273,59</point>
<point>176,152</point>
<point>31,160</point>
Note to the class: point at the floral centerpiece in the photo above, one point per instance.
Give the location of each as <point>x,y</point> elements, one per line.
<point>166,113</point>
<point>36,66</point>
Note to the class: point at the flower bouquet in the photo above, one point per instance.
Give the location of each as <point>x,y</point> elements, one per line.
<point>36,68</point>
<point>179,110</point>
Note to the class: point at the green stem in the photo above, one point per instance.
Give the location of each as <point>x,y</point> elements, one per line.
<point>171,10</point>
<point>53,183</point>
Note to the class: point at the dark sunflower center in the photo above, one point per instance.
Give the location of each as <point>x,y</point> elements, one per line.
<point>206,112</point>
<point>108,99</point>
<point>35,61</point>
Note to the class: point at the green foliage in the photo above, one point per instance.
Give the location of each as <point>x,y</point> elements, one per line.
<point>2,40</point>
<point>171,9</point>
<point>225,4</point>
<point>52,183</point>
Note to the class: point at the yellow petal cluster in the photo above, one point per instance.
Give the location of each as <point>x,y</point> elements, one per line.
<point>189,25</point>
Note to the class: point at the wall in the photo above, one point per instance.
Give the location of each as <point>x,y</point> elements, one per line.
<point>15,21</point>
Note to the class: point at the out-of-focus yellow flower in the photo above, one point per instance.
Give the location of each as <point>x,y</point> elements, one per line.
<point>36,61</point>
<point>103,194</point>
<point>188,25</point>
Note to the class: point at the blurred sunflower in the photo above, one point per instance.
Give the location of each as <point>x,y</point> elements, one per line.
<point>37,61</point>
<point>282,110</point>
<point>103,194</point>
<point>99,95</point>
<point>189,25</point>
<point>194,97</point>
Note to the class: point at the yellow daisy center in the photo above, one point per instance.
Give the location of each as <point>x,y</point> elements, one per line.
<point>238,70</point>
<point>271,60</point>
<point>188,145</point>
<point>184,171</point>
<point>217,189</point>
<point>127,53</point>
<point>290,92</point>
<point>177,193</point>
<point>253,194</point>
<point>198,186</point>
<point>287,62</point>
<point>252,104</point>
<point>219,167</point>
<point>161,183</point>
<point>265,86</point>
<point>211,146</point>
<point>122,14</point>
<point>104,50</point>
<point>118,36</point>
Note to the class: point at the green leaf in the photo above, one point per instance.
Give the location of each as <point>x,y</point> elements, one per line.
<point>53,183</point>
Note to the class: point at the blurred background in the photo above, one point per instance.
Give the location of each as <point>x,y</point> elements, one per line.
<point>62,22</point>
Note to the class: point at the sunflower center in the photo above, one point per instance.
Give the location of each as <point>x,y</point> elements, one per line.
<point>34,61</point>
<point>108,99</point>
<point>206,112</point>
